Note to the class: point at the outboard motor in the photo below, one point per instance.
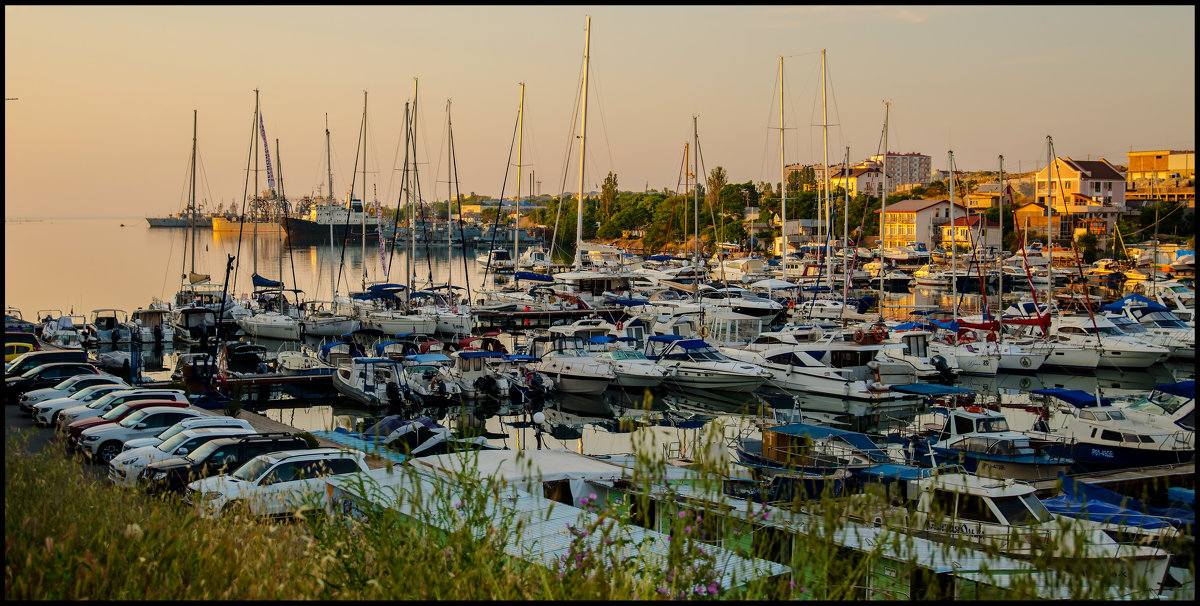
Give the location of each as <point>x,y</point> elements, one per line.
<point>939,362</point>
<point>395,398</point>
<point>488,386</point>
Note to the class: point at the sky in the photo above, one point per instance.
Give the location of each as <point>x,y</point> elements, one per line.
<point>99,102</point>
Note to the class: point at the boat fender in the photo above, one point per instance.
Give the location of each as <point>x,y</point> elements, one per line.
<point>880,333</point>
<point>878,386</point>
<point>859,335</point>
<point>873,364</point>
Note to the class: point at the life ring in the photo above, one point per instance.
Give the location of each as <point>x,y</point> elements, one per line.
<point>620,325</point>
<point>880,333</point>
<point>791,304</point>
<point>553,299</point>
<point>859,335</point>
<point>1026,362</point>
<point>703,331</point>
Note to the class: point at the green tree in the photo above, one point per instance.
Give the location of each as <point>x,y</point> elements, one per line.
<point>1087,243</point>
<point>608,194</point>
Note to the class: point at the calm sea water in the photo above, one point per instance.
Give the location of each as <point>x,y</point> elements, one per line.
<point>78,265</point>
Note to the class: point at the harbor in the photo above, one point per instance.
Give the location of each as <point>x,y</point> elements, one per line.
<point>793,334</point>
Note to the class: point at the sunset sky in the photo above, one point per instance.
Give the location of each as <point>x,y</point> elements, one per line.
<point>101,124</point>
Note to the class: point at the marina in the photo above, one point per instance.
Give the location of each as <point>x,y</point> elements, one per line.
<point>256,361</point>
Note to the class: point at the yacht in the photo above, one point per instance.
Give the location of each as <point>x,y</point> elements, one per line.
<point>372,382</point>
<point>630,367</point>
<point>1153,323</point>
<point>1117,349</point>
<point>981,441</point>
<point>273,325</point>
<point>565,359</point>
<point>498,259</point>
<point>1101,436</point>
<point>325,319</point>
<point>694,364</point>
<point>927,275</point>
<point>153,326</point>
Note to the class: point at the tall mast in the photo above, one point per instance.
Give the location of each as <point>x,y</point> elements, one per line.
<point>450,195</point>
<point>1000,250</point>
<point>1049,226</point>
<point>411,213</point>
<point>953,245</point>
<point>363,202</point>
<point>587,40</point>
<point>520,143</point>
<point>783,175</point>
<point>254,199</point>
<point>192,202</point>
<point>696,197</point>
<point>826,225</point>
<point>846,237</point>
<point>883,206</point>
<point>332,271</point>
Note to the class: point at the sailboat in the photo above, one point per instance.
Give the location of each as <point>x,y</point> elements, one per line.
<point>277,318</point>
<point>192,319</point>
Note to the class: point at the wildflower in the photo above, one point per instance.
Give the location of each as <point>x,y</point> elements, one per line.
<point>791,584</point>
<point>701,590</point>
<point>448,551</point>
<point>133,531</point>
<point>682,515</point>
<point>583,501</point>
<point>592,496</point>
<point>458,505</point>
<point>687,530</point>
<point>713,587</point>
<point>608,540</point>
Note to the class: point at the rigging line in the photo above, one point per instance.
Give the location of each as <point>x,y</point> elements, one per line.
<point>401,196</point>
<point>387,193</point>
<point>562,186</point>
<point>594,81</point>
<point>462,240</point>
<point>769,140</point>
<point>245,189</point>
<point>499,207</point>
<point>353,182</point>
<point>283,204</point>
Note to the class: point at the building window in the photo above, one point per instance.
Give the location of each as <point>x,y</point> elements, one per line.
<point>1096,186</point>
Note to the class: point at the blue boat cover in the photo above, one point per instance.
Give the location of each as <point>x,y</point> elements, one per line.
<point>930,389</point>
<point>951,325</point>
<point>520,358</point>
<point>1185,389</point>
<point>428,358</point>
<point>261,282</point>
<point>1075,397</point>
<point>914,326</point>
<point>665,338</point>
<point>664,258</point>
<point>693,343</point>
<point>529,275</point>
<point>1096,503</point>
<point>627,302</point>
<point>893,472</point>
<point>1135,300</point>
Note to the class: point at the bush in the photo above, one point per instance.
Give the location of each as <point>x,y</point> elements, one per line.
<point>309,439</point>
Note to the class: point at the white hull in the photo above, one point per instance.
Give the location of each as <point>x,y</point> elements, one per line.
<point>401,324</point>
<point>328,327</point>
<point>702,378</point>
<point>271,327</point>
<point>593,385</point>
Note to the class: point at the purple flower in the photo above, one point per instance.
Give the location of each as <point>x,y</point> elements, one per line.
<point>682,515</point>
<point>687,530</point>
<point>458,505</point>
<point>712,588</point>
<point>701,590</point>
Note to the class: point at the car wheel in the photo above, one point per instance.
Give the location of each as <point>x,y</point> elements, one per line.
<point>108,450</point>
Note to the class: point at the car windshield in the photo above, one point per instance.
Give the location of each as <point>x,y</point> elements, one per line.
<point>170,432</point>
<point>102,402</point>
<point>134,418</point>
<point>253,469</point>
<point>115,413</point>
<point>202,452</point>
<point>170,444</point>
<point>87,394</point>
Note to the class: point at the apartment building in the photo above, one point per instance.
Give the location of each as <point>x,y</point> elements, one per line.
<point>904,169</point>
<point>917,221</point>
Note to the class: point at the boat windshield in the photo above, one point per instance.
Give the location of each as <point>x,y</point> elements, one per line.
<point>1164,319</point>
<point>992,425</point>
<point>1025,510</point>
<point>627,355</point>
<point>1129,326</point>
<point>1160,402</point>
<point>705,353</point>
<point>1112,331</point>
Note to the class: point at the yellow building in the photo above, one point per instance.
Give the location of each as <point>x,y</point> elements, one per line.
<point>915,221</point>
<point>1161,164</point>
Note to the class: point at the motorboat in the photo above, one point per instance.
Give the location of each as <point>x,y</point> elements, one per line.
<point>153,326</point>
<point>497,259</point>
<point>927,275</point>
<point>109,326</point>
<point>64,331</point>
<point>630,367</point>
<point>372,382</point>
<point>478,379</point>
<point>1117,349</point>
<point>194,324</point>
<point>428,377</point>
<point>694,364</point>
<point>271,325</point>
<point>324,319</point>
<point>979,440</point>
<point>1154,323</point>
<point>1101,436</point>
<point>565,359</point>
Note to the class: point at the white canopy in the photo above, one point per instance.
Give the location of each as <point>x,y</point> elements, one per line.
<point>774,284</point>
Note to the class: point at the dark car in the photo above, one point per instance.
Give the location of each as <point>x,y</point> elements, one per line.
<point>12,336</point>
<point>222,455</point>
<point>46,375</point>
<point>34,359</point>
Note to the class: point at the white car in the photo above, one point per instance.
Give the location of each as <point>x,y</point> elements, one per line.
<point>66,388</point>
<point>44,412</point>
<point>103,442</point>
<point>115,399</point>
<point>189,423</point>
<point>275,484</point>
<point>125,468</point>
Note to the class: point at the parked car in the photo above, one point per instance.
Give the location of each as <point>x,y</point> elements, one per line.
<point>275,484</point>
<point>33,359</point>
<point>66,387</point>
<point>70,415</point>
<point>102,442</point>
<point>125,468</point>
<point>213,420</point>
<point>45,375</point>
<point>216,457</point>
<point>79,426</point>
<point>28,338</point>
<point>13,351</point>
<point>44,413</point>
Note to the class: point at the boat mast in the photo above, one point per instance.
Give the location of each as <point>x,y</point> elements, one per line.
<point>192,202</point>
<point>520,143</point>
<point>1049,226</point>
<point>587,40</point>
<point>255,198</point>
<point>953,247</point>
<point>696,203</point>
<point>329,165</point>
<point>411,211</point>
<point>883,205</point>
<point>999,251</point>
<point>363,202</point>
<point>846,237</point>
<point>826,224</point>
<point>783,175</point>
<point>449,195</point>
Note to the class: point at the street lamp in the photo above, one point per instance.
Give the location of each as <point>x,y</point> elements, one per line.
<point>538,418</point>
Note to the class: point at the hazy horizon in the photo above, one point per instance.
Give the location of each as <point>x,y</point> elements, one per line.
<point>102,124</point>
